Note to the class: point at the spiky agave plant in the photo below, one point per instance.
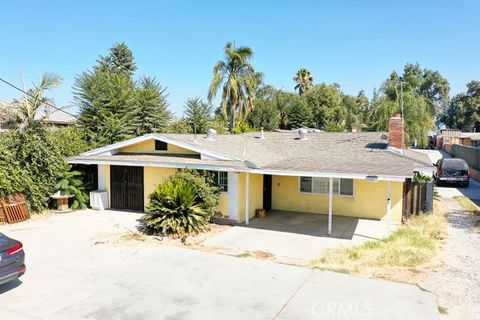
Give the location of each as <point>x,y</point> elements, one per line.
<point>175,209</point>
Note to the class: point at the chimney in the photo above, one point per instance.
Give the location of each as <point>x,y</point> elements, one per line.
<point>396,136</point>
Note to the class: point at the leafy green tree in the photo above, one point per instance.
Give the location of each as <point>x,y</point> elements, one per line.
<point>238,80</point>
<point>426,83</point>
<point>463,111</point>
<point>119,60</point>
<point>265,115</point>
<point>198,114</point>
<point>151,108</point>
<point>326,104</point>
<point>303,80</point>
<point>300,115</point>
<point>418,94</point>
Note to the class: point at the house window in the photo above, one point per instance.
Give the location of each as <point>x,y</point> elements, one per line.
<point>160,145</point>
<point>220,179</point>
<point>343,187</point>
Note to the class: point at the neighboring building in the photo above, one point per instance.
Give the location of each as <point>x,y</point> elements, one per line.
<point>471,139</point>
<point>347,174</point>
<point>48,115</point>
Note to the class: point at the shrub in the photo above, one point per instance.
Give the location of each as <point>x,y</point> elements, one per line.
<point>183,204</point>
<point>69,140</point>
<point>38,163</point>
<point>175,208</point>
<point>70,183</point>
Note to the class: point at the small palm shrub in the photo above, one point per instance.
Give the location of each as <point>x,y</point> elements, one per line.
<point>70,183</point>
<point>176,208</point>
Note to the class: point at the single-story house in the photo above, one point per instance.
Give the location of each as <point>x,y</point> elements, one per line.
<point>358,174</point>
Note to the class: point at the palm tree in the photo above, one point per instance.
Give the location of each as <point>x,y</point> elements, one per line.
<point>239,81</point>
<point>25,111</point>
<point>304,80</point>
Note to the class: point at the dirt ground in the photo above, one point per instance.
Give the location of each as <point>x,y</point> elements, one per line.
<point>454,275</point>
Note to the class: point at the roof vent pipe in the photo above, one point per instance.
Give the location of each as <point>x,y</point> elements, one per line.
<point>262,135</point>
<point>211,133</point>
<point>303,134</point>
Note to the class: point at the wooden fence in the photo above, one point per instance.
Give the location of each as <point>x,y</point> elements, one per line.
<point>14,209</point>
<point>417,198</point>
<point>470,154</point>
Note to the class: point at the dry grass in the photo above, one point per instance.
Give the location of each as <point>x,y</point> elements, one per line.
<point>256,254</point>
<point>467,205</point>
<point>410,246</point>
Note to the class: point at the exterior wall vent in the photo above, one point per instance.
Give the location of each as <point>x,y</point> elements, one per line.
<point>211,133</point>
<point>302,134</point>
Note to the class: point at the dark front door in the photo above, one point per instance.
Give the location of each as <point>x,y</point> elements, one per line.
<point>267,192</point>
<point>127,187</point>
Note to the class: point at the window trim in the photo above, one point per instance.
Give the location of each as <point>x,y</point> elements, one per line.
<point>218,180</point>
<point>326,194</point>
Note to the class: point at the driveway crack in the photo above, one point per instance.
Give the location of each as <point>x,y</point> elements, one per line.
<point>292,296</point>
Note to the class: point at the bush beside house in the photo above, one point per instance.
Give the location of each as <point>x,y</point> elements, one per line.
<point>183,204</point>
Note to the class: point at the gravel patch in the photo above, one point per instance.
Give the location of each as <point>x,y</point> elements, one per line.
<point>455,277</point>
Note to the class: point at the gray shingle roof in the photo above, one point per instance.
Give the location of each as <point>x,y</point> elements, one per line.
<point>322,153</point>
<point>334,152</point>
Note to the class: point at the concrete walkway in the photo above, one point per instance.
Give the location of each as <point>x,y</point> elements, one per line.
<point>73,274</point>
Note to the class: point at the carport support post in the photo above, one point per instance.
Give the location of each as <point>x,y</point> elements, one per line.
<point>389,204</point>
<point>330,205</point>
<point>247,198</point>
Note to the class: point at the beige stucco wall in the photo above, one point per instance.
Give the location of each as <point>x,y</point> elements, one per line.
<point>369,200</point>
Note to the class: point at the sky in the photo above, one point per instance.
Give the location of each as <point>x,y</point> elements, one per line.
<point>354,43</point>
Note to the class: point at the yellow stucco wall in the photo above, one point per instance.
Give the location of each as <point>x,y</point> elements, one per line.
<point>149,147</point>
<point>152,177</point>
<point>369,200</point>
<point>223,204</point>
<point>256,194</point>
<point>106,171</point>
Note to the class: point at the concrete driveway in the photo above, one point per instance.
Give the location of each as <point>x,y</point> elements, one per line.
<point>73,274</point>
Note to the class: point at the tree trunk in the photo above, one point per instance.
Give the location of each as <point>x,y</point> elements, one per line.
<point>231,124</point>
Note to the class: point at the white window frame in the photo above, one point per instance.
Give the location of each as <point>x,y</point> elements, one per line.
<point>326,194</point>
<point>217,182</point>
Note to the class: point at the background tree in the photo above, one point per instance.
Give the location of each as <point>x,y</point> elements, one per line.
<point>463,112</point>
<point>326,103</point>
<point>113,106</point>
<point>300,115</point>
<point>265,115</point>
<point>304,81</point>
<point>151,112</point>
<point>421,92</point>
<point>198,114</point>
<point>24,111</point>
<point>238,80</point>
<point>119,60</point>
<point>106,101</point>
